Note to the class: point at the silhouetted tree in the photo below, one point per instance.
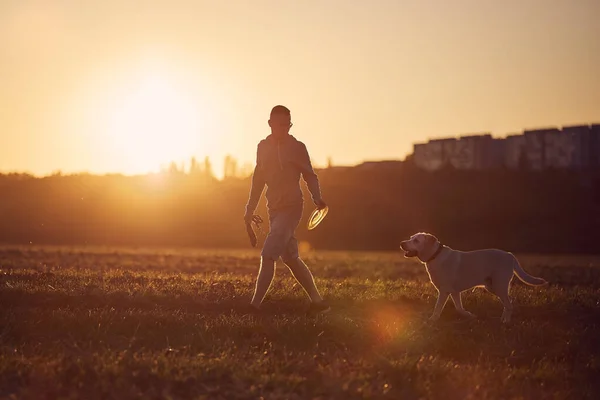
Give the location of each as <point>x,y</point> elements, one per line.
<point>194,167</point>
<point>208,172</point>
<point>229,167</point>
<point>371,209</point>
<point>173,169</point>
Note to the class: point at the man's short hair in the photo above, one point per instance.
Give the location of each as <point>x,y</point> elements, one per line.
<point>280,110</point>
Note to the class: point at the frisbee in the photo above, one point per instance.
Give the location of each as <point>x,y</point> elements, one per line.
<point>316,217</point>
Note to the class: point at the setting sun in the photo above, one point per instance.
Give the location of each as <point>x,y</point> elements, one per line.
<point>156,124</point>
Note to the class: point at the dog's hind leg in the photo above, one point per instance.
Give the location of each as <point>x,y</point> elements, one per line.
<point>501,290</point>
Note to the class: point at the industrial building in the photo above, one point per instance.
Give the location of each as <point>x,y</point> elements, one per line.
<point>572,147</point>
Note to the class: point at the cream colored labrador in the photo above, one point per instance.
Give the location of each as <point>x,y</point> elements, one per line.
<point>452,272</point>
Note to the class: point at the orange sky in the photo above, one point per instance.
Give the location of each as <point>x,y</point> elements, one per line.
<point>123,86</point>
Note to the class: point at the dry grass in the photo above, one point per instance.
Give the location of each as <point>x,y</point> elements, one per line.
<point>139,323</point>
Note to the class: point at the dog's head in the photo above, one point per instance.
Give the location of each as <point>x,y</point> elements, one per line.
<point>419,243</point>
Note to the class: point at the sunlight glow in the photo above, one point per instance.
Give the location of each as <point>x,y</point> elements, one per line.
<point>390,323</point>
<point>157,124</point>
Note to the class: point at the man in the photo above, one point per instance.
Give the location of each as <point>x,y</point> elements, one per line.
<point>280,161</point>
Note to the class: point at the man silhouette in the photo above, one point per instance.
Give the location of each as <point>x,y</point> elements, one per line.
<point>280,161</point>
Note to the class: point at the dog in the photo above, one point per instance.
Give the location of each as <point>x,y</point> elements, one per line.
<point>452,272</point>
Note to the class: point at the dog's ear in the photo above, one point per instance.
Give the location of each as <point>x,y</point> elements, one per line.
<point>431,239</point>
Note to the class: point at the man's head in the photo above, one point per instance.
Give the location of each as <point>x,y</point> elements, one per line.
<point>280,121</point>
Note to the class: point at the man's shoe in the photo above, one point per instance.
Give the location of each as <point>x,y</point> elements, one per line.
<point>252,310</point>
<point>318,308</point>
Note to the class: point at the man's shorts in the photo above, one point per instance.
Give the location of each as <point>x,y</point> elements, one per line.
<point>281,240</point>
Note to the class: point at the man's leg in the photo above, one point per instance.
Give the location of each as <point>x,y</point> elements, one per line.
<point>304,277</point>
<point>263,282</point>
<point>273,247</point>
<point>292,259</point>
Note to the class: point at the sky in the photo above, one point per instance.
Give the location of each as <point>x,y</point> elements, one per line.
<point>125,86</point>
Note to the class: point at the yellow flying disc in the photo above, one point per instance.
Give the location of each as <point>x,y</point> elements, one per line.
<point>316,217</point>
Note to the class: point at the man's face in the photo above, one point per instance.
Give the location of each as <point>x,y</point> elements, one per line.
<point>280,124</point>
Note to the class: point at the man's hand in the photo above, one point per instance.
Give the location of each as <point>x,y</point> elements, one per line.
<point>320,204</point>
<point>251,235</point>
<point>249,218</point>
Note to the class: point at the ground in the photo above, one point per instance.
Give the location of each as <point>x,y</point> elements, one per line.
<point>140,323</point>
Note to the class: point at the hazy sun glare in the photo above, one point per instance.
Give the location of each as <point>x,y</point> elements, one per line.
<point>156,124</point>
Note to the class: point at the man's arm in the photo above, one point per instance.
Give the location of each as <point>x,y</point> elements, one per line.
<point>310,176</point>
<point>256,189</point>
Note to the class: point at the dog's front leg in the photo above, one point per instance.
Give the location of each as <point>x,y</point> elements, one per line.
<point>439,305</point>
<point>459,306</point>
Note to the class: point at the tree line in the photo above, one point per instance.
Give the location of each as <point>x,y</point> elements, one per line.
<point>372,207</point>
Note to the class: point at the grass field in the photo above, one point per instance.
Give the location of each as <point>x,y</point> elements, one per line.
<point>101,323</point>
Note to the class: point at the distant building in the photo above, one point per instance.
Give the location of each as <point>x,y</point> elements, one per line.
<point>572,147</point>
<point>429,156</point>
<point>466,152</point>
<point>569,148</point>
<point>595,145</point>
<point>515,151</point>
<point>534,147</point>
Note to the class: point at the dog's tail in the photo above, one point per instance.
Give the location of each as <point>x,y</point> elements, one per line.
<point>525,277</point>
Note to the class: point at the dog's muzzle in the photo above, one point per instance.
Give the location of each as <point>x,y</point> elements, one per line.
<point>407,252</point>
